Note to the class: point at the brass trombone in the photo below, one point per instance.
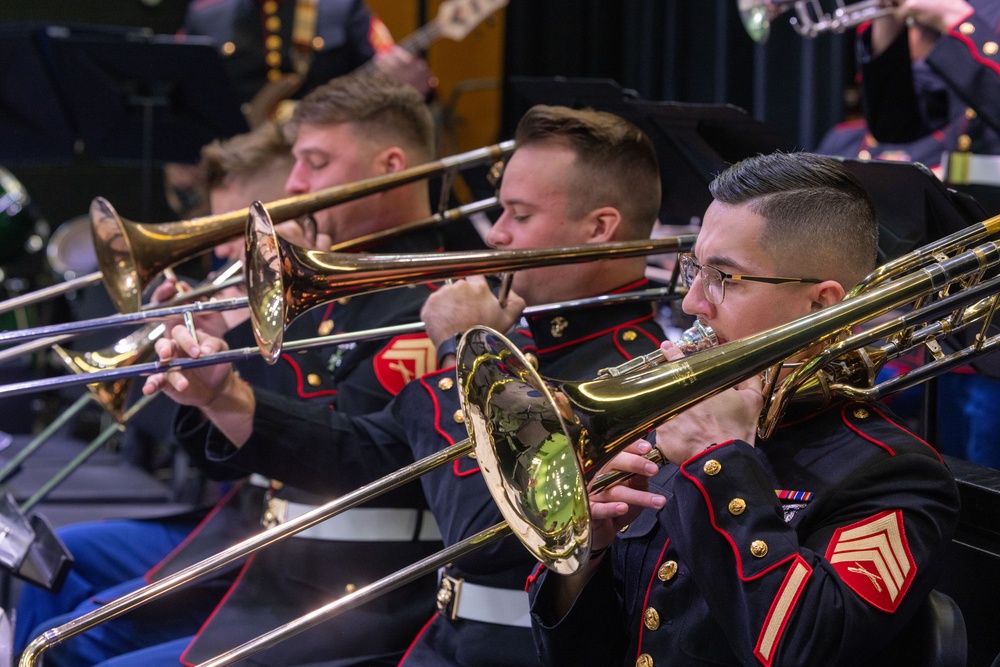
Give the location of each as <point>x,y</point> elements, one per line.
<point>541,481</point>
<point>131,254</point>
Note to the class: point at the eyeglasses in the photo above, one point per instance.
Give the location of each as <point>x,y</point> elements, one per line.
<point>714,280</point>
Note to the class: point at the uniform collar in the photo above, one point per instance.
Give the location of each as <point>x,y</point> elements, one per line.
<point>556,331</point>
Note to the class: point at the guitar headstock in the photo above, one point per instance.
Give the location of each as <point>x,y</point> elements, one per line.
<point>457,18</point>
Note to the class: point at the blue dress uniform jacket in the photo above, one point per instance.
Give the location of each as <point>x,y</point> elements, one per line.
<point>955,89</point>
<point>423,419</point>
<point>813,548</point>
<point>294,576</point>
<point>342,26</point>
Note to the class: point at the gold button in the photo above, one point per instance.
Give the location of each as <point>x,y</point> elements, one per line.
<point>629,336</point>
<point>271,6</point>
<point>228,49</point>
<point>712,467</point>
<point>445,383</point>
<point>651,618</point>
<point>861,413</point>
<point>272,42</point>
<point>970,113</point>
<point>273,58</point>
<point>344,300</point>
<point>667,571</point>
<point>313,380</point>
<point>325,327</point>
<point>532,359</point>
<point>350,588</point>
<point>318,43</point>
<point>644,660</point>
<point>966,28</point>
<point>990,48</point>
<point>736,506</point>
<point>758,548</point>
<point>276,485</point>
<point>624,528</point>
<point>458,417</point>
<point>273,24</point>
<point>273,74</point>
<point>964,142</point>
<point>864,155</point>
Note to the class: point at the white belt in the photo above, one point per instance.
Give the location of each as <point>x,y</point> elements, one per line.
<point>458,598</point>
<point>972,169</point>
<point>361,524</point>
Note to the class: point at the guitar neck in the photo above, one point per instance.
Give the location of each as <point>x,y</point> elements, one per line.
<point>414,43</point>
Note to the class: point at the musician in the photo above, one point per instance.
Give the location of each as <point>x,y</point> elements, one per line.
<point>814,546</point>
<point>347,130</point>
<point>576,177</point>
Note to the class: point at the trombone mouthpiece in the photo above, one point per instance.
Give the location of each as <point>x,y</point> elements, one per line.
<point>698,337</point>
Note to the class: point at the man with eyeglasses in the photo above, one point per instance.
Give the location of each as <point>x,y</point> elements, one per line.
<point>815,546</point>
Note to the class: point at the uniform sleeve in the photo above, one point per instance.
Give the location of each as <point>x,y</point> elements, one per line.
<point>967,58</point>
<point>836,594</point>
<point>314,447</point>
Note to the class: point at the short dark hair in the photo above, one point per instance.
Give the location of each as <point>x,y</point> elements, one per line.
<point>381,108</point>
<point>615,160</point>
<point>818,217</point>
<point>244,155</point>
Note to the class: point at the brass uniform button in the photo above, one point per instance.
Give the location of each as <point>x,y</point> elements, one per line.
<point>350,588</point>
<point>273,24</point>
<point>966,28</point>
<point>644,660</point>
<point>624,528</point>
<point>344,300</point>
<point>964,142</point>
<point>864,155</point>
<point>861,413</point>
<point>629,336</point>
<point>970,113</point>
<point>273,74</point>
<point>990,48</point>
<point>270,7</point>
<point>667,571</point>
<point>445,383</point>
<point>313,380</point>
<point>758,548</point>
<point>651,618</point>
<point>272,42</point>
<point>712,467</point>
<point>318,43</point>
<point>458,417</point>
<point>273,58</point>
<point>276,485</point>
<point>532,359</point>
<point>325,327</point>
<point>737,506</point>
<point>228,49</point>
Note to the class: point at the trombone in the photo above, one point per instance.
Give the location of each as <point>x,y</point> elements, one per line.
<point>579,426</point>
<point>810,19</point>
<point>131,254</point>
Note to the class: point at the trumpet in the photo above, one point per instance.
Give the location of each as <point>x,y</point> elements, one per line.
<point>810,19</point>
<point>540,447</point>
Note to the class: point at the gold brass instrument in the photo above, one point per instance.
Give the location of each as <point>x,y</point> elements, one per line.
<point>810,18</point>
<point>540,448</point>
<point>285,280</point>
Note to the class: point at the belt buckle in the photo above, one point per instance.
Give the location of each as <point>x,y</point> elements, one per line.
<point>449,590</point>
<point>275,510</point>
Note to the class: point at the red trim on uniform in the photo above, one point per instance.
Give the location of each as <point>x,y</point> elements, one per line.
<point>298,381</point>
<point>329,307</point>
<point>905,430</point>
<point>631,286</point>
<point>715,525</point>
<point>215,611</point>
<point>533,577</point>
<point>416,639</point>
<point>194,531</point>
<point>974,51</point>
<point>595,335</point>
<point>862,434</point>
<point>437,425</point>
<point>786,609</point>
<point>645,600</point>
<point>621,348</point>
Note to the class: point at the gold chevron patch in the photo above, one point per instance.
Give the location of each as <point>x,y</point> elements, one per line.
<point>403,359</point>
<point>874,560</point>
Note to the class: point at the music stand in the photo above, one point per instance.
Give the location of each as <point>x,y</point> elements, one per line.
<point>132,96</point>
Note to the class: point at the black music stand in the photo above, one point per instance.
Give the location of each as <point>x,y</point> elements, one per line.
<point>129,96</point>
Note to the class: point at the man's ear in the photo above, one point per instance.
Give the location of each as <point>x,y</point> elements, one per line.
<point>391,160</point>
<point>605,222</point>
<point>825,294</point>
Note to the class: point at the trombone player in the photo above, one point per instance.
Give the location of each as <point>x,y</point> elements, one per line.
<point>815,546</point>
<point>576,177</point>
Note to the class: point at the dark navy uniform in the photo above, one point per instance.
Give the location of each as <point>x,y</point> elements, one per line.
<point>955,89</point>
<point>813,548</point>
<point>853,139</point>
<point>255,37</point>
<point>489,624</point>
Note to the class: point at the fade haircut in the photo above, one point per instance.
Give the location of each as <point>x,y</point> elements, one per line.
<point>818,219</point>
<point>615,162</point>
<point>245,156</point>
<point>380,109</point>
